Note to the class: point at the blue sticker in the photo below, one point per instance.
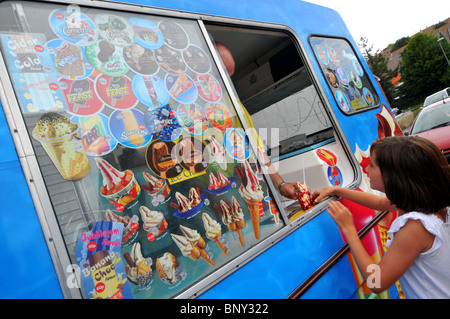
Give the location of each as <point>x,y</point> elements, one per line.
<point>342,75</point>
<point>237,144</point>
<point>150,90</point>
<point>147,33</point>
<point>73,26</point>
<point>163,123</point>
<point>128,128</point>
<point>334,176</point>
<point>181,88</point>
<point>357,67</point>
<point>321,54</point>
<point>342,101</point>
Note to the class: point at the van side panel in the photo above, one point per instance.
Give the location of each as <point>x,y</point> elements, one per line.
<point>27,269</point>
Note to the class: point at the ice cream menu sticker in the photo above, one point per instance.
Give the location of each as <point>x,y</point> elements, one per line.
<point>33,75</point>
<point>102,270</point>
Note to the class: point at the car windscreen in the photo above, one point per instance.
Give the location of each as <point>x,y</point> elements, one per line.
<point>432,118</point>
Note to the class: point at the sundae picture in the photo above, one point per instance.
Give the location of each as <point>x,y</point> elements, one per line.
<point>154,221</point>
<point>188,206</point>
<point>251,192</point>
<point>119,188</point>
<point>138,269</point>
<point>217,183</point>
<point>157,188</point>
<point>233,217</point>
<point>214,232</point>
<point>191,249</point>
<point>168,268</point>
<point>61,140</point>
<point>130,224</point>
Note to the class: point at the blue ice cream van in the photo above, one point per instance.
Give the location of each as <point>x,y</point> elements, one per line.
<point>132,152</point>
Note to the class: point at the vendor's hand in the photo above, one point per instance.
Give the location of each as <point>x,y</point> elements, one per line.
<point>321,194</point>
<point>288,191</point>
<point>342,216</point>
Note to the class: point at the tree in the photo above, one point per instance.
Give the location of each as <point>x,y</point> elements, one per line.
<point>378,65</point>
<point>424,68</point>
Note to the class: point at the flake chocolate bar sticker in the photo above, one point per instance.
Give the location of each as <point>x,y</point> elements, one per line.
<point>73,26</point>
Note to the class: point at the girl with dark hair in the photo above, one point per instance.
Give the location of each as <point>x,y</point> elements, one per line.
<point>415,177</point>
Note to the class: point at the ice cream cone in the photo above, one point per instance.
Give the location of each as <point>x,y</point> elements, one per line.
<point>221,246</point>
<point>241,238</point>
<point>205,257</point>
<point>253,207</point>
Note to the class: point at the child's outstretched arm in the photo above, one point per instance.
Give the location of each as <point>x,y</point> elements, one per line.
<point>366,199</point>
<point>409,241</point>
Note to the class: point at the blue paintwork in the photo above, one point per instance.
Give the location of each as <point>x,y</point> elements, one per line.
<point>26,267</point>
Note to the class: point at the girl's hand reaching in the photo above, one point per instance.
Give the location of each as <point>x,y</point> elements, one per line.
<point>342,216</point>
<point>322,193</point>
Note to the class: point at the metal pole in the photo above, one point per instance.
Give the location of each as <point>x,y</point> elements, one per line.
<point>439,41</point>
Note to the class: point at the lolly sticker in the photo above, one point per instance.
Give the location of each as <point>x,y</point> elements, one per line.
<point>368,96</point>
<point>219,116</point>
<point>342,101</point>
<point>115,91</point>
<point>342,75</point>
<point>81,97</point>
<point>73,26</point>
<point>237,145</point>
<point>357,67</point>
<point>321,54</point>
<point>174,35</point>
<point>163,123</point>
<point>208,87</point>
<point>333,56</point>
<point>332,78</point>
<point>181,88</point>
<point>196,59</point>
<point>70,61</point>
<point>107,58</point>
<point>150,90</point>
<point>147,33</point>
<point>356,79</point>
<point>128,128</point>
<point>140,60</point>
<point>115,29</point>
<point>160,160</point>
<point>193,118</point>
<point>95,134</point>
<point>170,60</point>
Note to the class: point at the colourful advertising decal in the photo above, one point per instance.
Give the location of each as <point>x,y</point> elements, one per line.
<point>160,160</point>
<point>73,26</point>
<point>115,91</point>
<point>196,59</point>
<point>208,87</point>
<point>95,134</point>
<point>31,67</point>
<point>170,60</point>
<point>107,58</point>
<point>141,60</point>
<point>150,90</point>
<point>102,271</point>
<point>70,61</point>
<point>128,128</point>
<point>321,53</point>
<point>237,144</point>
<point>174,35</point>
<point>81,97</point>
<point>333,172</point>
<point>115,29</point>
<point>147,33</point>
<point>193,118</point>
<point>181,88</point>
<point>219,116</point>
<point>163,123</point>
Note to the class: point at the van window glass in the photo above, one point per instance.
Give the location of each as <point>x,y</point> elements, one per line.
<point>345,76</point>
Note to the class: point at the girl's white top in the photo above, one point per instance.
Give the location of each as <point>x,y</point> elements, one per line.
<point>429,275</point>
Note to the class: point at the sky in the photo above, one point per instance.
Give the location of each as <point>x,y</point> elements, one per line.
<point>383,22</point>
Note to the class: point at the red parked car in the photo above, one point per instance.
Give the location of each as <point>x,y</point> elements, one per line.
<point>433,123</point>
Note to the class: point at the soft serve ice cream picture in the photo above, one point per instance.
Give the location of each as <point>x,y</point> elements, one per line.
<point>61,140</point>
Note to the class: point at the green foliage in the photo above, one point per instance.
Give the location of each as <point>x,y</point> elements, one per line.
<point>424,68</point>
<point>400,43</point>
